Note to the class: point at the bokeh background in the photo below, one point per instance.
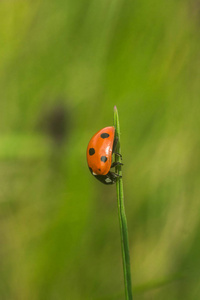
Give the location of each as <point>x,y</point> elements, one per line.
<point>63,67</point>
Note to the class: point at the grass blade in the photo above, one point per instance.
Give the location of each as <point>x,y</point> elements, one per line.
<point>122,215</point>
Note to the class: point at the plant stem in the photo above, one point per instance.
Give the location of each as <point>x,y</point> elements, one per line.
<point>122,215</point>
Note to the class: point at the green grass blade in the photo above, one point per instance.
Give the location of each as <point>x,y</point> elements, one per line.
<point>122,215</point>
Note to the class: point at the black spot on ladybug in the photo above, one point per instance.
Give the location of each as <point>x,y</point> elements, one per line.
<point>99,170</point>
<point>104,158</point>
<point>105,135</point>
<point>90,170</point>
<point>91,151</point>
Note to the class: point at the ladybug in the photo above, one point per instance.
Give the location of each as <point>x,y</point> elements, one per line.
<point>99,155</point>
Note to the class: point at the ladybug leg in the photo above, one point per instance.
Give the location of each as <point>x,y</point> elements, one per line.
<point>114,148</point>
<point>113,176</point>
<point>118,154</point>
<point>116,163</point>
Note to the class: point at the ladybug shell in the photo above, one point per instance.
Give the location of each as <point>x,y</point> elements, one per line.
<point>99,151</point>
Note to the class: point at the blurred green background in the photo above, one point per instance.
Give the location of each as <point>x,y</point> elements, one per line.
<point>63,67</point>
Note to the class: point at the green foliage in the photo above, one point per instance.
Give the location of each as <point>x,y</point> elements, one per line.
<point>58,226</point>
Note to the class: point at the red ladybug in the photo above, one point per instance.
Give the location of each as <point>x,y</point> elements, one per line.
<point>99,155</point>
